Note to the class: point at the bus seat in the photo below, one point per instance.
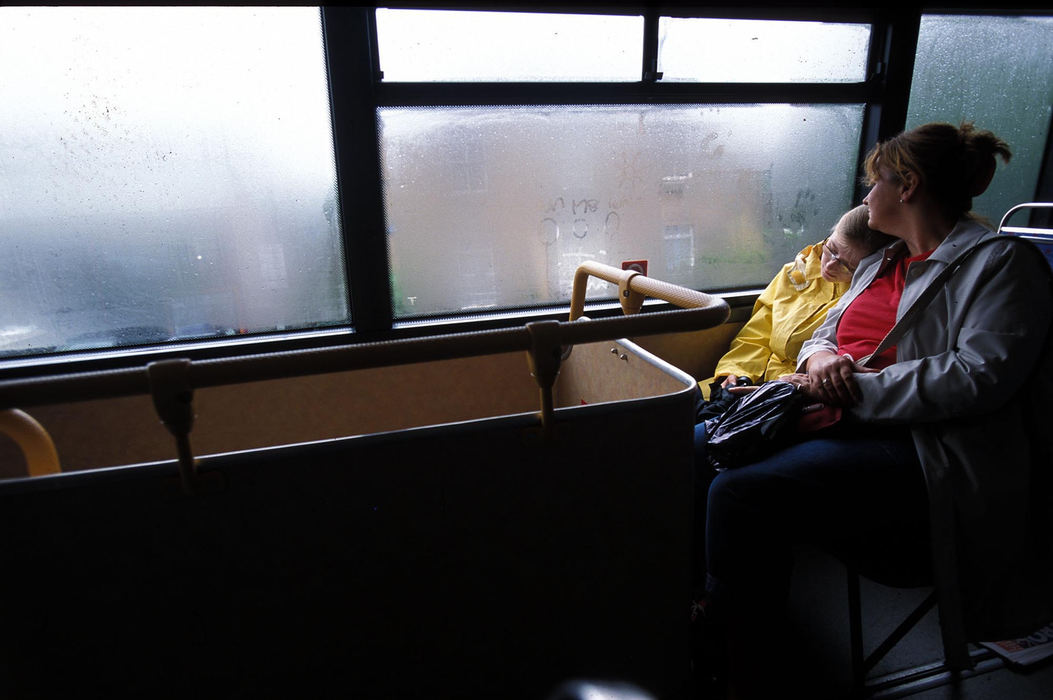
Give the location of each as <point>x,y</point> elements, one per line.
<point>1039,234</point>
<point>34,441</point>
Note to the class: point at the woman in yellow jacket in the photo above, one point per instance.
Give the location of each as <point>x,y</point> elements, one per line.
<point>795,304</point>
<point>786,314</point>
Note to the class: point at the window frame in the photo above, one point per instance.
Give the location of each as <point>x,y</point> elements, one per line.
<point>372,314</point>
<point>357,91</point>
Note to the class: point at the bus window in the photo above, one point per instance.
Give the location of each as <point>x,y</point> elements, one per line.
<point>166,170</point>
<point>998,73</point>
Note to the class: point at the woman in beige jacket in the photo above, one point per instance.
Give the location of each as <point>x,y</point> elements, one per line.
<point>943,424</point>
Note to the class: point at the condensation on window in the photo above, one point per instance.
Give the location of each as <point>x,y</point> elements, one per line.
<point>767,51</point>
<point>465,46</point>
<point>712,196</point>
<point>996,72</point>
<point>167,172</point>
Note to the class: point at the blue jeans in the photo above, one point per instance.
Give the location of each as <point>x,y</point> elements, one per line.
<point>857,489</point>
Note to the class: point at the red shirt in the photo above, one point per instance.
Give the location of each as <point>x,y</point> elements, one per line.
<point>871,315</point>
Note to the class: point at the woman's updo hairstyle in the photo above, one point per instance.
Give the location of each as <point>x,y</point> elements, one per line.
<point>952,163</point>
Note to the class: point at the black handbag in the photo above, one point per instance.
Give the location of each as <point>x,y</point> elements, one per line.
<point>755,425</point>
<point>720,400</point>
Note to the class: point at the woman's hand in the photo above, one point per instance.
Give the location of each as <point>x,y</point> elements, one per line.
<point>803,383</point>
<point>832,378</point>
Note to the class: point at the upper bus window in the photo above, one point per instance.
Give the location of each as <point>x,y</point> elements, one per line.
<point>167,172</point>
<point>998,73</point>
<point>459,46</point>
<point>495,207</point>
<point>769,51</point>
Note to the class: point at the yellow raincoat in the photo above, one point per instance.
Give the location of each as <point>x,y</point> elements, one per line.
<point>785,315</point>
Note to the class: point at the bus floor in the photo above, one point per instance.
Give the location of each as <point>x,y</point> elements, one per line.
<point>821,663</point>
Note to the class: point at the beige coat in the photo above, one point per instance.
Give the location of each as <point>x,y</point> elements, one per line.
<point>967,379</point>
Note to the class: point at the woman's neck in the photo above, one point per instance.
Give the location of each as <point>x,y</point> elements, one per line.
<point>926,241</point>
<point>926,228</point>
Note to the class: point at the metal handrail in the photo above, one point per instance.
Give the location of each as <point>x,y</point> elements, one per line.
<point>172,382</point>
<point>633,286</point>
<point>81,386</point>
<point>37,447</point>
<point>1002,228</point>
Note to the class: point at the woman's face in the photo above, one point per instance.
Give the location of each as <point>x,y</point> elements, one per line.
<point>840,259</point>
<point>883,201</point>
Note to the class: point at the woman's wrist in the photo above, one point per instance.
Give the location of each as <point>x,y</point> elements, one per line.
<point>818,354</point>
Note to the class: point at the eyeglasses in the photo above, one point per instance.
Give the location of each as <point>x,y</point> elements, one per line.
<point>837,258</point>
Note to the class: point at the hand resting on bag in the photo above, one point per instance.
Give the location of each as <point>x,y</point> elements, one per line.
<point>830,379</point>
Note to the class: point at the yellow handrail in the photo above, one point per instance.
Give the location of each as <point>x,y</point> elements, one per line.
<point>543,340</point>
<point>633,287</point>
<point>131,381</point>
<point>34,441</point>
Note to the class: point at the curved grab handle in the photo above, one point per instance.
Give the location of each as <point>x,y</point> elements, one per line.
<point>1002,228</point>
<point>633,287</point>
<point>33,439</point>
